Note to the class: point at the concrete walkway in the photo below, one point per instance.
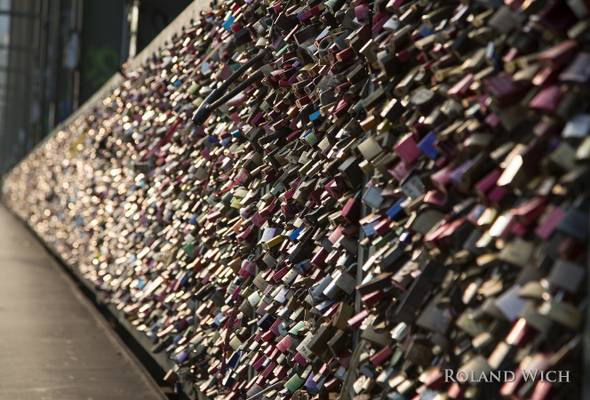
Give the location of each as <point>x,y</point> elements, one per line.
<point>53,343</point>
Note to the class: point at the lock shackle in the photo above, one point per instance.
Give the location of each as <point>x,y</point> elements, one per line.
<point>216,98</point>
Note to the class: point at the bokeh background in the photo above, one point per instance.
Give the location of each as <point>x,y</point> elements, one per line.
<point>54,54</point>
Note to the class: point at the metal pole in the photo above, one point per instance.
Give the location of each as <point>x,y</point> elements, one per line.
<point>133,24</point>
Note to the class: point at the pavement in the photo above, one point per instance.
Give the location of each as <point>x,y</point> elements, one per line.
<point>54,345</point>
